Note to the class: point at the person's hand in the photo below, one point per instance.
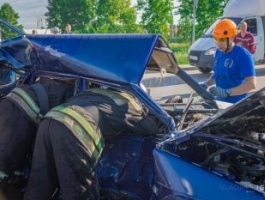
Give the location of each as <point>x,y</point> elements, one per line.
<point>219,92</point>
<point>204,85</point>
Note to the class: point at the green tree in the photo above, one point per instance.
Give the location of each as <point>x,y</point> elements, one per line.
<point>206,14</point>
<point>9,15</point>
<point>116,16</point>
<point>79,13</point>
<point>156,16</point>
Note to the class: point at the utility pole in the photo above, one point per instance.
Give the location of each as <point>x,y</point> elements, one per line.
<point>173,26</point>
<point>195,5</point>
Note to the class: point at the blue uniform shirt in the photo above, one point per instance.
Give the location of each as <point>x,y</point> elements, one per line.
<point>230,70</point>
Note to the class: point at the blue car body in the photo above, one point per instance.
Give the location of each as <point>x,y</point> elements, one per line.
<point>178,164</point>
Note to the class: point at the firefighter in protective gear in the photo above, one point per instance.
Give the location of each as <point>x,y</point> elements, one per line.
<point>234,70</point>
<point>71,137</point>
<point>21,110</point>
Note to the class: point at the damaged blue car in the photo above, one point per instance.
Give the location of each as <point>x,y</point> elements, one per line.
<point>205,149</point>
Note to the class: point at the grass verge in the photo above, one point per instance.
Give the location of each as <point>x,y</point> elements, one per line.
<point>181,52</point>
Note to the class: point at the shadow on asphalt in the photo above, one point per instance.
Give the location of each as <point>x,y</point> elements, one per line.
<point>188,68</point>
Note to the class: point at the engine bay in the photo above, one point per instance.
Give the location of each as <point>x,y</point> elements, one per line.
<point>229,143</point>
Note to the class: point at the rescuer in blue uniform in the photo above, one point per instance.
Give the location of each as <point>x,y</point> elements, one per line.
<point>234,71</point>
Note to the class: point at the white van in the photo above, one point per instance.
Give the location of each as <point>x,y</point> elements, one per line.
<point>201,52</point>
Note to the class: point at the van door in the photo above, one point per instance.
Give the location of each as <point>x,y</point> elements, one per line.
<point>255,26</point>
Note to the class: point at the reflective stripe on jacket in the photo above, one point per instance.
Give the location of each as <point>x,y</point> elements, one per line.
<point>120,98</point>
<point>81,125</point>
<point>26,103</point>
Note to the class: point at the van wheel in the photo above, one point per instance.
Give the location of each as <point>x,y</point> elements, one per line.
<point>205,70</point>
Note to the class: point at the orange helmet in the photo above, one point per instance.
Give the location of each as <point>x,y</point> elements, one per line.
<point>226,28</point>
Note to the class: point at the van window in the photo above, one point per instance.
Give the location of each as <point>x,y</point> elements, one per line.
<point>252,25</point>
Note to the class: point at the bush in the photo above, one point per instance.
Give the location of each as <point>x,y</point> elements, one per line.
<point>181,51</point>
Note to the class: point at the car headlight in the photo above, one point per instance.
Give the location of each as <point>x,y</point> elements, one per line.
<point>210,51</point>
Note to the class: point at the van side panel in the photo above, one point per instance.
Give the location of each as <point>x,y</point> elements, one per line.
<point>263,27</point>
<point>255,26</point>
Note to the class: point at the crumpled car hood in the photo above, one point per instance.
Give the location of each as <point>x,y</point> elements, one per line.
<point>226,149</point>
<point>241,119</point>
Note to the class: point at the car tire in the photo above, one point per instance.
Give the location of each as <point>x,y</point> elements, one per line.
<point>205,70</point>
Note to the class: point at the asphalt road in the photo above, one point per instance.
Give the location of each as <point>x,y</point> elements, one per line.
<point>197,75</point>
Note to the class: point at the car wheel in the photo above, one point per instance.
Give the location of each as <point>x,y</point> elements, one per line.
<point>205,70</point>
